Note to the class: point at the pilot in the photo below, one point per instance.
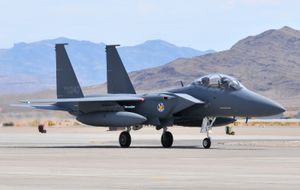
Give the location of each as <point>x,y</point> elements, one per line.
<point>224,82</point>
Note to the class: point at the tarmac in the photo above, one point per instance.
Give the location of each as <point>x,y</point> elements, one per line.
<point>90,158</point>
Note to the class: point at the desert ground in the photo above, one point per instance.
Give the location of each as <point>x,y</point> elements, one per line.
<point>90,158</point>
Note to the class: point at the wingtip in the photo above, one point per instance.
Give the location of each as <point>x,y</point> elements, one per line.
<point>25,101</point>
<point>20,105</point>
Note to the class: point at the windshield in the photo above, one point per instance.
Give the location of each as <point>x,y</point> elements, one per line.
<point>218,81</point>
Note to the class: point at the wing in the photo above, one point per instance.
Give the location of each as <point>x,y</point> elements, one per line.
<point>41,107</point>
<point>86,99</point>
<point>84,104</point>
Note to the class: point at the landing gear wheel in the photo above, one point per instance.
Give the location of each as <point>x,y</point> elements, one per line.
<point>167,139</point>
<point>125,139</point>
<point>206,143</point>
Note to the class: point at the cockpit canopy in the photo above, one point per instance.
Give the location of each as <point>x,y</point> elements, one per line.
<point>218,81</point>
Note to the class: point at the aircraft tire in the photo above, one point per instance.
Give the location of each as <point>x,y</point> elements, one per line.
<point>167,139</point>
<point>125,139</point>
<point>206,143</point>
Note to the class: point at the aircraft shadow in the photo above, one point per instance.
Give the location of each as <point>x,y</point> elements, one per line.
<point>103,147</point>
<point>131,147</point>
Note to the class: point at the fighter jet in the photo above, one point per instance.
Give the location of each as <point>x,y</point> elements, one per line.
<point>210,101</point>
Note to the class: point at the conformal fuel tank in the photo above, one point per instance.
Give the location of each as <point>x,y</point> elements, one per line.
<point>121,118</point>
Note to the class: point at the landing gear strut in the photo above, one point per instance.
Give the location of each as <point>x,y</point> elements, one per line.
<point>166,139</point>
<point>125,139</point>
<point>207,124</point>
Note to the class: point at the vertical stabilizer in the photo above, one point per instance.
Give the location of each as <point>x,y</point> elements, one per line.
<point>67,85</point>
<point>118,81</point>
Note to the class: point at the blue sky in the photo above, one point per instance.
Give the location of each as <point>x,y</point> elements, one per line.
<point>211,24</point>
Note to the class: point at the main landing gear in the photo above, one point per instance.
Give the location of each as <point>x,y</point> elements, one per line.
<point>125,139</point>
<point>207,124</point>
<point>166,139</point>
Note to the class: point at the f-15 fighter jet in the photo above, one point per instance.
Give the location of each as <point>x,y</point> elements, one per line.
<point>209,101</point>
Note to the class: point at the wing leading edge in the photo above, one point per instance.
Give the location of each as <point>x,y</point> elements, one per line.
<point>86,99</point>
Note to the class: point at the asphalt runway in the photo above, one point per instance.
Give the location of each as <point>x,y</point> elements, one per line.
<point>90,158</point>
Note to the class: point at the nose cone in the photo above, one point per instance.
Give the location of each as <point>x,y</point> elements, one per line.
<point>269,107</point>
<point>261,106</point>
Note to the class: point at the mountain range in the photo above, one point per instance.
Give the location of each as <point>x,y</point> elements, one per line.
<point>268,63</point>
<point>28,67</point>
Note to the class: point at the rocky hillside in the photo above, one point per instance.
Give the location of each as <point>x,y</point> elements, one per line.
<point>268,63</point>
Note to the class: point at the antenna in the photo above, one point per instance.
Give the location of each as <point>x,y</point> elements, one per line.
<point>182,85</point>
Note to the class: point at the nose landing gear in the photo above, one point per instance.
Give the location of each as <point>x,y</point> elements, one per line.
<point>206,143</point>
<point>207,124</point>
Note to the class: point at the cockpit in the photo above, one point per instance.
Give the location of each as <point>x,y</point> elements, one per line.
<point>218,81</point>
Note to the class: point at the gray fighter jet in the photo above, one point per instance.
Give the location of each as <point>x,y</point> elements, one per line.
<point>212,100</point>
